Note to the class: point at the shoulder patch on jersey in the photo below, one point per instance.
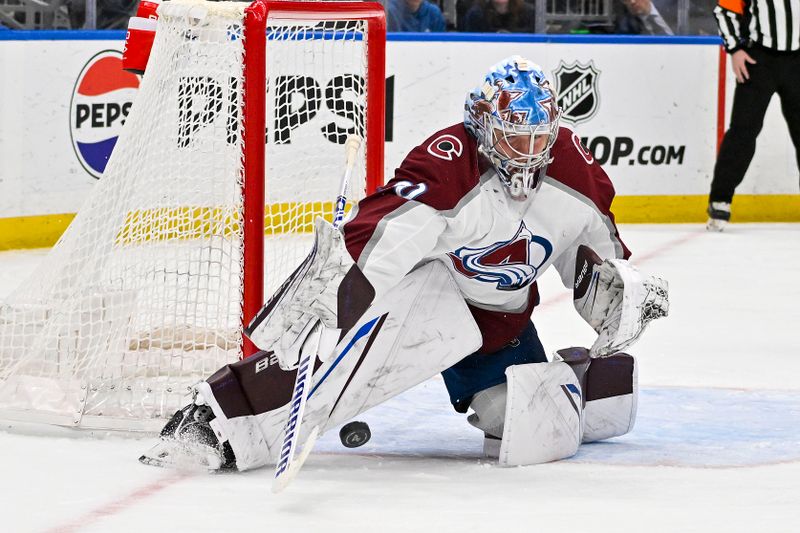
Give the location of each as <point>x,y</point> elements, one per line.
<point>585,153</point>
<point>446,147</point>
<point>446,163</point>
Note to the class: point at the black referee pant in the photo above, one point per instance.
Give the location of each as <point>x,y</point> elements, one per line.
<point>774,72</point>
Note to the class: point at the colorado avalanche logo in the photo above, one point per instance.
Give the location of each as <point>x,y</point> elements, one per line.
<point>511,264</point>
<point>446,147</point>
<point>100,102</point>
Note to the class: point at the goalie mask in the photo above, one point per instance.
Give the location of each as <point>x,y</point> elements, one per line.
<point>514,117</point>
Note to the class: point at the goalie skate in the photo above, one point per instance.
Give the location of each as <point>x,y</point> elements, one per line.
<point>189,443</point>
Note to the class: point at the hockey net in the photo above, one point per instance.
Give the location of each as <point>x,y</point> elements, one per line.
<point>193,223</point>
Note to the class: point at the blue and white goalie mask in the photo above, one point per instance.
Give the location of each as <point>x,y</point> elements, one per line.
<point>514,117</point>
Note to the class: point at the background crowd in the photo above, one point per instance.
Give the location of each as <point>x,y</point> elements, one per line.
<point>637,17</point>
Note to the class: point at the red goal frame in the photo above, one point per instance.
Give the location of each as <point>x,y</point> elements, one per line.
<point>254,118</point>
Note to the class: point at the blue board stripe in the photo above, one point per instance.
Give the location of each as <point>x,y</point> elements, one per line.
<point>119,35</point>
<point>553,38</point>
<point>62,35</point>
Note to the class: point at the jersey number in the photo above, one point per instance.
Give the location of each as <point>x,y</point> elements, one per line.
<point>408,190</point>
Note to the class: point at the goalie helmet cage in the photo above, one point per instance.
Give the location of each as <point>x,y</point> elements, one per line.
<point>196,217</point>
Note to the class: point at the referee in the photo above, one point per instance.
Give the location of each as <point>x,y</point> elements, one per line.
<point>763,38</point>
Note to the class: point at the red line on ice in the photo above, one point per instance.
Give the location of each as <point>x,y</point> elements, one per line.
<point>117,506</point>
<point>636,259</point>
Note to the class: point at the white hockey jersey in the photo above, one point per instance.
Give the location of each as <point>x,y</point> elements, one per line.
<point>447,203</point>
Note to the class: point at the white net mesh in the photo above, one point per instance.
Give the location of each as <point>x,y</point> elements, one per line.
<point>142,296</point>
<point>316,97</point>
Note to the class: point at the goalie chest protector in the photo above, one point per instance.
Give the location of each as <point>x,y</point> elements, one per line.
<point>447,203</point>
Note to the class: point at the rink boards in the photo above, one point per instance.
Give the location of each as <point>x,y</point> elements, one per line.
<point>650,109</point>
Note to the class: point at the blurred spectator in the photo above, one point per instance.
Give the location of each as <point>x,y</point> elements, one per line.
<point>414,15</point>
<point>111,14</point>
<point>462,7</point>
<point>505,16</point>
<point>701,17</point>
<point>640,17</point>
<point>33,15</point>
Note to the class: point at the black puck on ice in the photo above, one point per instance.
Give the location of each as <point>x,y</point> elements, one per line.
<point>355,434</point>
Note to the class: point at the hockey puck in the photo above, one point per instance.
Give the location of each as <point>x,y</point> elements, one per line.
<point>355,434</point>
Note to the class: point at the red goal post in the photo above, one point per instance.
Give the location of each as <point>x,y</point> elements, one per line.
<point>256,17</point>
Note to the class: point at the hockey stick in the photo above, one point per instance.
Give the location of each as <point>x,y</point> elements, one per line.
<point>287,467</point>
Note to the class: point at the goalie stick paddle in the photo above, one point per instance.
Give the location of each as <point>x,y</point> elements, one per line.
<point>288,466</point>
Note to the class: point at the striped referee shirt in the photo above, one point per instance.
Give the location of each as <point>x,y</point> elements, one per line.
<point>773,24</point>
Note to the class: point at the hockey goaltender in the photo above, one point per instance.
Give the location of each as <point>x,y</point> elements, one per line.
<point>436,273</point>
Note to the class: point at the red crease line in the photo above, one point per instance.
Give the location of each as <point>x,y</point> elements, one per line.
<point>119,505</point>
<point>674,243</point>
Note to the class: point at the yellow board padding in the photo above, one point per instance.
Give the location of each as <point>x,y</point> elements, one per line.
<point>183,222</point>
<point>180,223</point>
<point>683,209</point>
<point>165,224</point>
<point>40,231</point>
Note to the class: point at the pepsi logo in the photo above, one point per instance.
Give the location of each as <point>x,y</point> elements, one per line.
<point>101,100</point>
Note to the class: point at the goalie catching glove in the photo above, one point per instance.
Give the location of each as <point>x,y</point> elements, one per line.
<point>616,300</point>
<point>309,296</point>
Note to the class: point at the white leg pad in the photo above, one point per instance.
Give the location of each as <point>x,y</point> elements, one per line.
<point>490,410</point>
<point>611,416</point>
<point>419,328</point>
<point>543,414</point>
<point>243,432</point>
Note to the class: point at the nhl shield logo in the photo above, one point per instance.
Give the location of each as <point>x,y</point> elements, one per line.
<point>576,87</point>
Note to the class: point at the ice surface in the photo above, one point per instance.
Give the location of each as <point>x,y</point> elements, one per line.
<point>716,445</point>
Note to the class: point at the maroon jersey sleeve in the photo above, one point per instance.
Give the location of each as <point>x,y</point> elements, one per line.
<point>438,173</point>
<point>575,167</point>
